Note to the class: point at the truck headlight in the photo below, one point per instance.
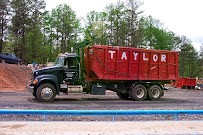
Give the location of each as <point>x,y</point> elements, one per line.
<point>36,73</point>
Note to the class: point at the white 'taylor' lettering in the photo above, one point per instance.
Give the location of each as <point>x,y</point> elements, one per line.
<point>144,57</point>
<point>111,52</point>
<point>135,55</point>
<point>155,57</point>
<point>163,58</point>
<point>124,56</point>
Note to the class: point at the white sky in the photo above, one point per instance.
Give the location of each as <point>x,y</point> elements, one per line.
<point>184,17</point>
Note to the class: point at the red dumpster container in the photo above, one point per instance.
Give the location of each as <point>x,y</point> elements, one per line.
<point>186,82</point>
<point>127,63</point>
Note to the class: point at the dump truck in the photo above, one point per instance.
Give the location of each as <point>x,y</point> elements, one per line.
<point>133,73</point>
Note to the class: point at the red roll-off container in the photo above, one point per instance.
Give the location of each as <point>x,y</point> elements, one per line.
<point>115,63</point>
<point>186,82</point>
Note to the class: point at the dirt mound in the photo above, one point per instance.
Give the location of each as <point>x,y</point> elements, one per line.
<point>200,81</point>
<point>14,77</point>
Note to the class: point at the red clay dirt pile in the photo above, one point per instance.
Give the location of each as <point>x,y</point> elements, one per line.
<point>13,78</point>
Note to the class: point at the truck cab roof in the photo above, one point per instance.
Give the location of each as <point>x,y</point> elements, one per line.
<point>67,55</point>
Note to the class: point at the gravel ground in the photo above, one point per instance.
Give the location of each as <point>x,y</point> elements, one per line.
<point>102,128</point>
<point>173,99</point>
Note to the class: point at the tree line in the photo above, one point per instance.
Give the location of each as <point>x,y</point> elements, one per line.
<point>37,35</point>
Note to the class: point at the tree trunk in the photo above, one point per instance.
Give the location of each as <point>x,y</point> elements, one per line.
<point>1,45</point>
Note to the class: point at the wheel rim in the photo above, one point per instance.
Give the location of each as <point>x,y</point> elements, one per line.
<point>140,93</point>
<point>46,93</point>
<point>155,93</point>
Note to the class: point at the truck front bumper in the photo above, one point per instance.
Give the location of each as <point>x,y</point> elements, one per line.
<point>30,88</point>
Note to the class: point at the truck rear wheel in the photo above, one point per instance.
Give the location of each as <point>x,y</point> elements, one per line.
<point>138,93</point>
<point>46,92</point>
<point>154,92</point>
<point>123,95</point>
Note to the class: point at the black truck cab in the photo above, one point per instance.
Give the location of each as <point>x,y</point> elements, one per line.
<point>71,67</point>
<point>47,82</point>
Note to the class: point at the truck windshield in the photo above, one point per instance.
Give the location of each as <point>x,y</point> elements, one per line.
<point>59,61</point>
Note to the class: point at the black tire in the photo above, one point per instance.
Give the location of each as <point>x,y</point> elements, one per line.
<point>154,92</point>
<point>46,92</point>
<point>123,95</point>
<point>138,93</point>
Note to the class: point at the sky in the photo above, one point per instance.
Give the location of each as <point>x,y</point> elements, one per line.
<point>183,17</point>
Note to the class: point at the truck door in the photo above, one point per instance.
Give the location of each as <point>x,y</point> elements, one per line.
<point>71,70</point>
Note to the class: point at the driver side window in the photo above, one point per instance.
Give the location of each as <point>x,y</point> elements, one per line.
<point>70,63</point>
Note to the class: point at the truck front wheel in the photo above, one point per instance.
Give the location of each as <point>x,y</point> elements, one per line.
<point>154,92</point>
<point>46,92</point>
<point>139,92</point>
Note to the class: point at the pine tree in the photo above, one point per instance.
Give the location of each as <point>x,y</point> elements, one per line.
<point>4,19</point>
<point>65,28</point>
<point>26,28</point>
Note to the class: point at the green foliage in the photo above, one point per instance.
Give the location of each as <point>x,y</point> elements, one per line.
<point>115,17</point>
<point>117,25</point>
<point>4,19</point>
<point>95,30</point>
<point>200,61</point>
<point>34,45</point>
<point>188,57</point>
<point>201,53</point>
<point>61,28</point>
<point>7,46</point>
<point>25,28</point>
<point>156,37</point>
<point>66,26</point>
